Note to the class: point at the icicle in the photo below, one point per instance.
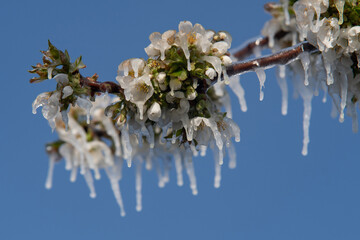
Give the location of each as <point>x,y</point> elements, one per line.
<point>226,77</point>
<point>90,182</point>
<point>179,168</point>
<point>137,64</point>
<point>111,131</point>
<point>97,173</point>
<point>358,59</point>
<point>73,174</point>
<point>339,4</point>
<point>353,112</point>
<point>286,12</point>
<point>217,135</point>
<point>325,89</point>
<point>217,178</point>
<point>49,178</point>
<point>151,136</point>
<point>334,111</point>
<point>239,91</point>
<point>114,182</point>
<point>262,77</point>
<point>227,105</point>
<point>257,49</point>
<point>305,61</point>
<point>343,95</point>
<point>306,124</point>
<point>190,172</point>
<point>65,119</point>
<point>284,89</point>
<point>125,142</point>
<point>232,156</point>
<point>138,186</point>
<point>173,138</point>
<point>167,167</point>
<point>329,72</point>
<point>66,151</point>
<point>161,182</point>
<point>203,150</point>
<point>85,104</point>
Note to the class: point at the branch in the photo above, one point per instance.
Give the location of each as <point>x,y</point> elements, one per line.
<point>103,87</point>
<point>280,58</point>
<point>249,48</point>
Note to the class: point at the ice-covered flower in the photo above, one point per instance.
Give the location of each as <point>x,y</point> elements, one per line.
<point>211,73</point>
<point>328,34</point>
<point>354,39</point>
<point>50,106</point>
<point>137,90</point>
<point>154,112</point>
<point>133,66</point>
<point>160,43</point>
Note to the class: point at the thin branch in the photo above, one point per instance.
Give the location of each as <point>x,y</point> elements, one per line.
<point>103,87</point>
<point>280,58</point>
<point>249,48</point>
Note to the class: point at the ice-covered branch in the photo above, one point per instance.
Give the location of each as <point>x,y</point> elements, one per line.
<point>102,87</point>
<point>280,58</point>
<point>253,47</point>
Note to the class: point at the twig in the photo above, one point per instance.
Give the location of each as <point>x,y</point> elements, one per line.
<point>280,58</point>
<point>103,87</point>
<point>249,48</point>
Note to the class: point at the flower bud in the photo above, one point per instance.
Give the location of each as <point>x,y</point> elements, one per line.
<point>226,60</point>
<point>154,112</point>
<point>191,93</point>
<point>211,73</point>
<point>175,85</point>
<point>161,77</point>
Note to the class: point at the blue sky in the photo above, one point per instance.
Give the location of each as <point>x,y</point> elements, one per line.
<point>274,193</point>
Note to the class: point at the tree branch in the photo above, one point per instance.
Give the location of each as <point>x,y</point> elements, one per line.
<point>283,57</point>
<point>249,48</point>
<point>103,87</point>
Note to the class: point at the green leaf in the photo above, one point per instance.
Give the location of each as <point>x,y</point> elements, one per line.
<point>55,54</point>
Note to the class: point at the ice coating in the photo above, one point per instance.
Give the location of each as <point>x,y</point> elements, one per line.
<point>67,91</point>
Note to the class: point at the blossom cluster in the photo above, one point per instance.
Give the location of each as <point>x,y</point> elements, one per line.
<point>56,65</point>
<point>332,26</point>
<point>169,107</point>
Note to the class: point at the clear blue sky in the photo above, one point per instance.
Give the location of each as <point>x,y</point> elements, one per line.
<point>274,193</point>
